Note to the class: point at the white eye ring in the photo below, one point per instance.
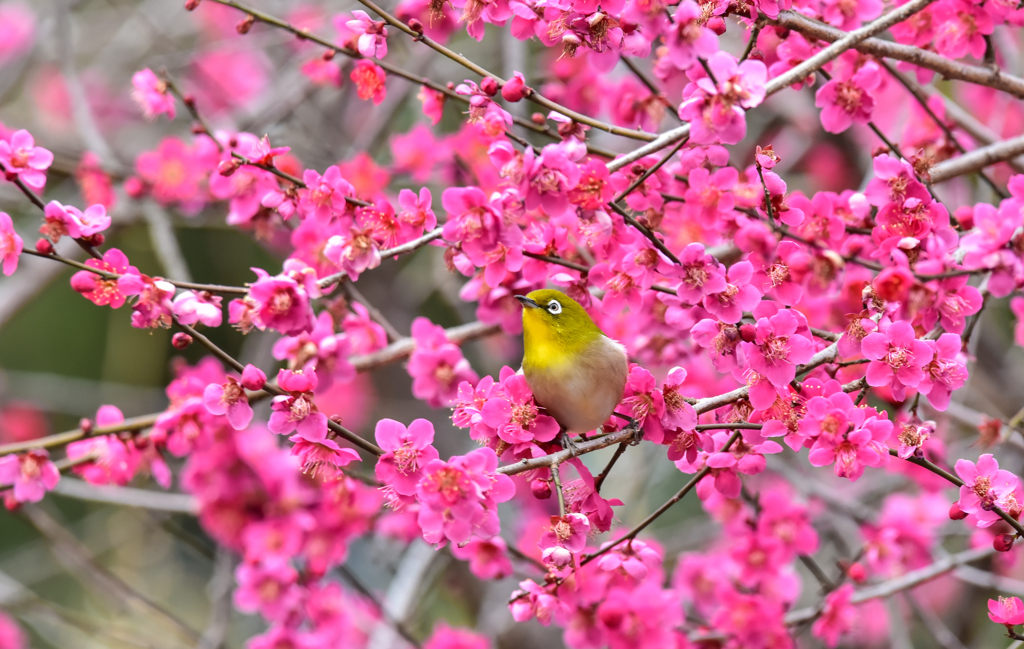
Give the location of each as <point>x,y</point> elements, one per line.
<point>554,307</point>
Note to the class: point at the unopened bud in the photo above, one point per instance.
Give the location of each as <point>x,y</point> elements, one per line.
<point>189,99</point>
<point>415,25</point>
<point>716,24</point>
<point>134,187</point>
<point>489,86</point>
<point>253,378</point>
<point>246,24</point>
<point>190,5</point>
<point>85,424</point>
<point>1003,542</point>
<point>857,573</point>
<point>336,419</point>
<point>44,247</point>
<point>94,240</point>
<point>541,489</point>
<point>955,513</point>
<point>198,129</point>
<point>228,167</point>
<point>450,85</point>
<point>328,55</point>
<point>748,333</point>
<point>539,119</point>
<point>515,88</point>
<point>181,340</point>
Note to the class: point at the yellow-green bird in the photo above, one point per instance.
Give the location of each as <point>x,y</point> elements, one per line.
<point>577,374</point>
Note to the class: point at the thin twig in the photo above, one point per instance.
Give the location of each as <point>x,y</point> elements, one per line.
<point>557,479</point>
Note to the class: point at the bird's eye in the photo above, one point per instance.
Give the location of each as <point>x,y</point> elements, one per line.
<point>554,307</point>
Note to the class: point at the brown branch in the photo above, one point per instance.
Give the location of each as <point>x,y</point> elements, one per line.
<point>402,249</point>
<point>843,41</point>
<point>533,96</point>
<point>337,428</point>
<point>977,159</point>
<point>629,536</point>
<point>128,425</point>
<point>922,97</point>
<point>939,471</point>
<point>980,75</point>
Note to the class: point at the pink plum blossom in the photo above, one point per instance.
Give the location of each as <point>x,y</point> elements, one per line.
<point>406,452</point>
<point>837,616</point>
<point>22,159</point>
<point>458,498</point>
<point>897,358</point>
<point>151,94</point>
<point>372,35</point>
<point>229,399</point>
<point>436,365</point>
<point>191,308</point>
<point>716,112</point>
<point>846,99</point>
<point>1006,610</point>
<point>296,410</point>
<point>488,558</point>
<point>565,539</point>
<point>31,474</point>
<point>985,486</point>
<point>10,244</point>
<point>777,348</point>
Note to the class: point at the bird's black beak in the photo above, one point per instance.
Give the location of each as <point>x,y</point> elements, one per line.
<point>527,302</point>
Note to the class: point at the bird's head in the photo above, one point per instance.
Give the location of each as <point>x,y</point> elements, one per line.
<point>553,318</point>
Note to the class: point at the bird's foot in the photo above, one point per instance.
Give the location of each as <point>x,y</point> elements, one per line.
<point>638,434</point>
<point>634,425</point>
<point>568,444</point>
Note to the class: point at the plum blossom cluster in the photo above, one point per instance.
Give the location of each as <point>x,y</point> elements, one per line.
<point>753,313</point>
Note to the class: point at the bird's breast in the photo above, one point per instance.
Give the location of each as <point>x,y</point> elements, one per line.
<point>581,393</point>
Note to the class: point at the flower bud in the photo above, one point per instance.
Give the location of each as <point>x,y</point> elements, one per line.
<point>716,24</point>
<point>85,424</point>
<point>246,24</point>
<point>198,129</point>
<point>95,240</point>
<point>189,99</point>
<point>955,513</point>
<point>134,187</point>
<point>44,247</point>
<point>1003,542</point>
<point>328,55</point>
<point>515,89</point>
<point>415,25</point>
<point>191,5</point>
<point>965,217</point>
<point>748,333</point>
<point>857,573</point>
<point>253,378</point>
<point>489,86</point>
<point>181,340</point>
<point>539,119</point>
<point>228,167</point>
<point>541,489</point>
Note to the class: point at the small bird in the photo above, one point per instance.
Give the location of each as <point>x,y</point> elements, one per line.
<point>577,374</point>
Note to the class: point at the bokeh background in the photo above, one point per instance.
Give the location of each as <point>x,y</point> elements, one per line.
<point>81,573</point>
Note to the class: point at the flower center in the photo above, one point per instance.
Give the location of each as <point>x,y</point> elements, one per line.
<point>447,482</point>
<point>280,303</point>
<point>897,357</point>
<point>776,349</point>
<point>407,459</point>
<point>849,96</point>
